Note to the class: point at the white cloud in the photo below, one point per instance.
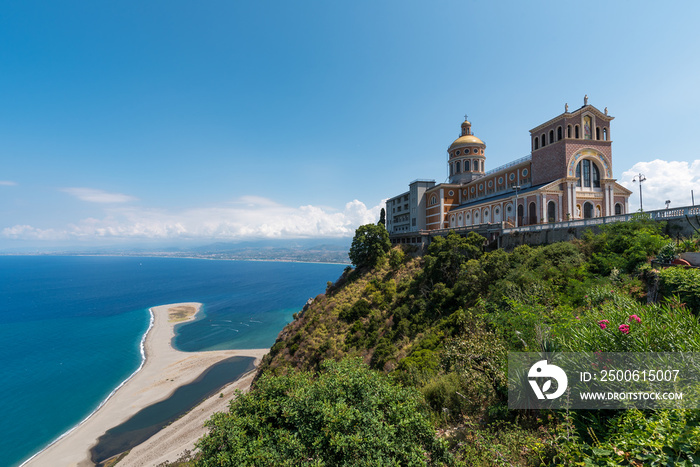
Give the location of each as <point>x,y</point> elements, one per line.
<point>665,180</point>
<point>7,183</point>
<point>27,232</point>
<point>92,195</point>
<point>245,217</point>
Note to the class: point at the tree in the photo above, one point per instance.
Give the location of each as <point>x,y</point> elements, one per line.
<point>371,242</point>
<point>382,218</point>
<point>447,254</point>
<point>344,415</point>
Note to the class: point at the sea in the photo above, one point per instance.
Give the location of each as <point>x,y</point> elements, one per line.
<point>71,327</point>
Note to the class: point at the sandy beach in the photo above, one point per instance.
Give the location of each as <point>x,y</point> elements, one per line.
<point>164,370</point>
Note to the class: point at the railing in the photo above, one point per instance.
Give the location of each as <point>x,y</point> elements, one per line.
<point>467,228</point>
<point>509,164</point>
<point>660,214</point>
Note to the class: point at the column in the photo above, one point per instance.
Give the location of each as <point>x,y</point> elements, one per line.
<point>544,208</point>
<point>606,200</point>
<point>560,208</point>
<point>442,208</point>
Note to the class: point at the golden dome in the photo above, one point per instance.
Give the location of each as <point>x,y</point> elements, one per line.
<point>465,140</point>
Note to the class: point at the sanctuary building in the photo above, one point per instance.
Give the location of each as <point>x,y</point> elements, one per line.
<point>567,176</point>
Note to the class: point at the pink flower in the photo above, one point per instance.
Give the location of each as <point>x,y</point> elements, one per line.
<point>636,318</point>
<point>603,323</point>
<point>624,328</point>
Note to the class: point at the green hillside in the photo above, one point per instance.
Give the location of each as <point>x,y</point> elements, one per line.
<point>432,333</point>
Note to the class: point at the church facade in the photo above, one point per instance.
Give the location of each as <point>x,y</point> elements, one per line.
<point>568,175</point>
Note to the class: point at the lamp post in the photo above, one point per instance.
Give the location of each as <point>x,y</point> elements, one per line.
<point>640,177</point>
<point>516,188</point>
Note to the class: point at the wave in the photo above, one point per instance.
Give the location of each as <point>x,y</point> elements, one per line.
<point>142,347</point>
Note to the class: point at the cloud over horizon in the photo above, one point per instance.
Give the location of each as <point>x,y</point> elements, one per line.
<point>665,180</point>
<point>93,195</point>
<point>244,218</point>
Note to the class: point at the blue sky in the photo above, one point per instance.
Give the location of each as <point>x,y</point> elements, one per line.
<point>126,122</point>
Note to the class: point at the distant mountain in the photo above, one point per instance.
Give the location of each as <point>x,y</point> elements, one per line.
<point>314,250</point>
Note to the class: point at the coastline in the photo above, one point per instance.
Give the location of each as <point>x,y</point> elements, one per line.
<point>115,255</point>
<point>163,369</point>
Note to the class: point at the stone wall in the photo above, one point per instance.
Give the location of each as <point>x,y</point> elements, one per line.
<point>674,228</point>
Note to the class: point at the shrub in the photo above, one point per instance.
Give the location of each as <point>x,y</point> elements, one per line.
<point>345,415</point>
<point>621,325</point>
<point>419,367</point>
<point>685,283</point>
<point>446,255</point>
<point>443,396</point>
<point>360,309</point>
<point>667,253</point>
<point>664,437</point>
<point>624,245</point>
<point>396,257</point>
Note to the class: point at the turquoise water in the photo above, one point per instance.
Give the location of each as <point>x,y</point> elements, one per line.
<point>70,327</point>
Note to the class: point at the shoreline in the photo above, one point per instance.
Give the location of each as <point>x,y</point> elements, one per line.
<point>90,255</point>
<point>163,369</point>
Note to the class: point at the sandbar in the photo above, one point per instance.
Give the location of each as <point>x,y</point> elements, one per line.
<point>164,370</point>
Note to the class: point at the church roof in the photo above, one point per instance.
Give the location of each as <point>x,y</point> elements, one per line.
<point>465,140</point>
<point>504,195</point>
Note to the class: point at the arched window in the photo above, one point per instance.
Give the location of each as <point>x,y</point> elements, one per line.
<point>458,166</point>
<point>537,142</point>
<point>476,166</point>
<point>605,134</point>
<point>597,132</point>
<point>568,131</point>
<point>543,142</point>
<point>452,169</point>
<point>595,175</point>
<point>578,174</point>
<point>532,214</point>
<point>588,174</point>
<point>618,209</point>
<point>551,136</point>
<point>587,210</point>
<point>559,133</point>
<point>433,199</point>
<point>551,211</point>
<point>576,132</point>
<point>466,166</point>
